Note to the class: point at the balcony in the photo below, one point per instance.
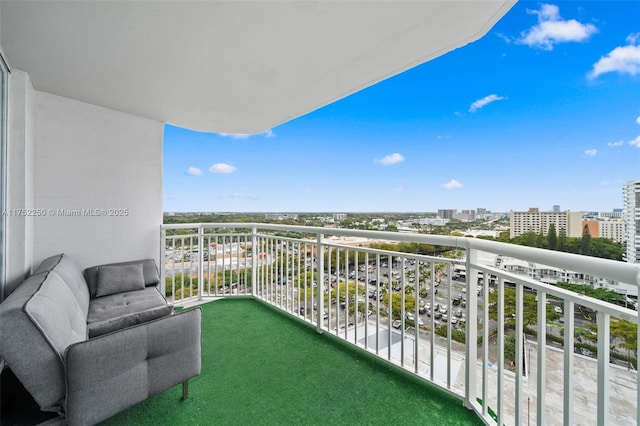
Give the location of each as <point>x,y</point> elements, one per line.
<point>261,367</point>
<point>523,367</point>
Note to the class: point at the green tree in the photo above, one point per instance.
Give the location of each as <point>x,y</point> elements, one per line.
<point>541,241</point>
<point>396,302</point>
<point>585,243</point>
<point>597,293</point>
<point>562,239</point>
<point>627,332</point>
<point>529,308</point>
<point>362,308</point>
<point>510,347</point>
<point>552,237</point>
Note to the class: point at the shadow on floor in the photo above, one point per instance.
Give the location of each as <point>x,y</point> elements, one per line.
<point>18,407</point>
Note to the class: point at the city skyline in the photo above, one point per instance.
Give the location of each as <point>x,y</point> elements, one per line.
<point>544,110</point>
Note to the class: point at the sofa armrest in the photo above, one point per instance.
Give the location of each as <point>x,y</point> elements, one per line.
<point>115,371</point>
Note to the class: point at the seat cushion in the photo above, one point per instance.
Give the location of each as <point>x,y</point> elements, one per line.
<point>117,311</point>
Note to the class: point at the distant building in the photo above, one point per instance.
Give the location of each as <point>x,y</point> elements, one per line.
<point>536,221</point>
<point>465,215</point>
<point>426,221</point>
<point>631,195</point>
<point>615,214</point>
<point>339,216</point>
<point>556,209</point>
<point>613,229</point>
<point>446,213</point>
<point>593,226</point>
<point>281,216</point>
<point>553,275</point>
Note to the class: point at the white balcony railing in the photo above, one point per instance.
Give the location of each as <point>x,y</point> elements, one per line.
<point>567,370</point>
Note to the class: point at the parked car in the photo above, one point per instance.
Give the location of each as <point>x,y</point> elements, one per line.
<point>396,324</point>
<point>586,352</point>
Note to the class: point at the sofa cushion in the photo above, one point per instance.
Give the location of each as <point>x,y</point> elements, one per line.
<point>71,274</point>
<point>149,270</point>
<point>24,347</point>
<point>57,314</point>
<point>118,279</point>
<point>117,311</point>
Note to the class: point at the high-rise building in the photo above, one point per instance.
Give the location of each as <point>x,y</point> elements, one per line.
<point>536,221</point>
<point>556,208</point>
<point>446,213</point>
<point>465,215</point>
<point>631,195</point>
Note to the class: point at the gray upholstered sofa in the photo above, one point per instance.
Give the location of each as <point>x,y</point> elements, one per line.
<point>91,345</point>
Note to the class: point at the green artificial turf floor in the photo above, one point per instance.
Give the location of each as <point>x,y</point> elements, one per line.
<point>260,367</point>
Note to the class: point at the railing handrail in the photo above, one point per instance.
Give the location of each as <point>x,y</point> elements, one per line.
<point>628,273</point>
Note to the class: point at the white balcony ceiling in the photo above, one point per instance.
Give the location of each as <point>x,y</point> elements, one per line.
<point>229,66</point>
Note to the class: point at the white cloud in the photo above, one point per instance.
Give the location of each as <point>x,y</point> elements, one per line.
<point>235,135</point>
<point>222,168</point>
<point>443,137</point>
<point>622,59</point>
<point>638,120</point>
<point>635,142</point>
<point>615,144</point>
<point>452,184</point>
<point>552,29</point>
<point>394,158</point>
<point>267,134</point>
<point>485,101</point>
<point>505,38</point>
<point>591,152</point>
<point>194,171</point>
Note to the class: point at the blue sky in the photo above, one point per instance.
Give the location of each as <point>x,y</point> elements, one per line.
<point>543,110</point>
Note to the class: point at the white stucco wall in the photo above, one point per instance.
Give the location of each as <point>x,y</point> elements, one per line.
<point>20,184</point>
<point>92,158</point>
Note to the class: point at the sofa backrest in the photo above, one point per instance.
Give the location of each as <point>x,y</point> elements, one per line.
<point>38,321</point>
<point>72,276</point>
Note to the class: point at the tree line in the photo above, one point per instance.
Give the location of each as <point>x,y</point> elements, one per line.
<point>559,241</point>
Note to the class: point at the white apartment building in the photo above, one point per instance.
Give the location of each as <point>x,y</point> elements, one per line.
<point>631,195</point>
<point>281,216</point>
<point>553,275</point>
<point>535,221</point>
<point>613,230</point>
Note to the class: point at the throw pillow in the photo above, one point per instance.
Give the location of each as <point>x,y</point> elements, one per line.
<point>119,279</point>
